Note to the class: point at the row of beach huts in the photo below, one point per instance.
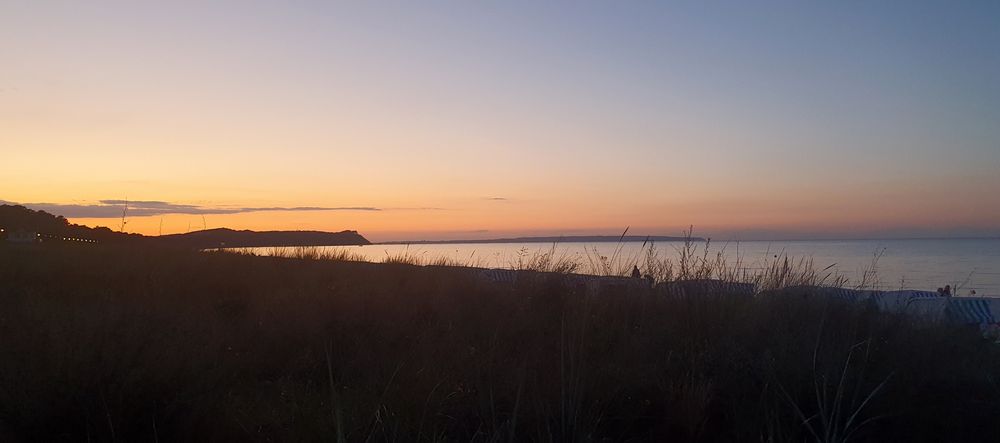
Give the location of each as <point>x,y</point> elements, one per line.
<point>981,311</point>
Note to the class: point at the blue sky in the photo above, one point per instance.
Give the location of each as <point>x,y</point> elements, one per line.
<point>840,118</point>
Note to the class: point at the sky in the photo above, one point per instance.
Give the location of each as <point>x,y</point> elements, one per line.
<point>445,120</point>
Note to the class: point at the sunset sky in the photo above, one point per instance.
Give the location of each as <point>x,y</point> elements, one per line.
<point>420,120</point>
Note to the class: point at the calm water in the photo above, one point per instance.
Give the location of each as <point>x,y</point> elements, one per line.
<point>914,264</point>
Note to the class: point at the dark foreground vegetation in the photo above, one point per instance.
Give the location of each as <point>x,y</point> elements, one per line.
<point>100,343</point>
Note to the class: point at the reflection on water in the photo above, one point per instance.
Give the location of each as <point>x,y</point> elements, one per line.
<point>969,264</point>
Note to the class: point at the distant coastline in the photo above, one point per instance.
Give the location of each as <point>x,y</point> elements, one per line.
<point>552,239</point>
<point>640,238</point>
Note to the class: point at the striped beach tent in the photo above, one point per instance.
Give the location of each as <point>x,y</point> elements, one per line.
<point>669,289</point>
<point>973,310</point>
<point>830,292</point>
<point>900,301</point>
<point>847,294</point>
<point>594,284</point>
<point>499,275</point>
<point>736,288</point>
<point>586,284</point>
<point>927,308</point>
<point>706,287</point>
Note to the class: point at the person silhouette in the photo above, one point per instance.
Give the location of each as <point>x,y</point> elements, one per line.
<point>635,272</point>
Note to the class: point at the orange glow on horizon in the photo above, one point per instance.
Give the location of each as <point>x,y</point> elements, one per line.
<point>463,123</point>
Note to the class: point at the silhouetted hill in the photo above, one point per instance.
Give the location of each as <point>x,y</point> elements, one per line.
<point>224,237</point>
<point>56,227</point>
<point>562,239</point>
<point>16,217</point>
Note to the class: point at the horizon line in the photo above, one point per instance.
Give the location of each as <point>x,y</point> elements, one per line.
<point>679,239</point>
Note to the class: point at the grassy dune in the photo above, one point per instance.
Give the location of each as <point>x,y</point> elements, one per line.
<point>692,259</point>
<point>119,344</point>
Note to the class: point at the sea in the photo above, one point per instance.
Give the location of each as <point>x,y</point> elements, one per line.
<point>924,264</point>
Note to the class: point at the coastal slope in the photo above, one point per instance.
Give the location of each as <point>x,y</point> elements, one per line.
<point>229,238</point>
<point>45,227</point>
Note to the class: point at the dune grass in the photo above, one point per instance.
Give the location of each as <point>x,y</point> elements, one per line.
<point>687,260</point>
<point>109,344</point>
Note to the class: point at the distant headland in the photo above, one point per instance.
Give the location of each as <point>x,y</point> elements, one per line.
<point>20,224</point>
<point>230,238</point>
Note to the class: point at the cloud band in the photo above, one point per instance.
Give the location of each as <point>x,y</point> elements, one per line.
<point>140,208</point>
